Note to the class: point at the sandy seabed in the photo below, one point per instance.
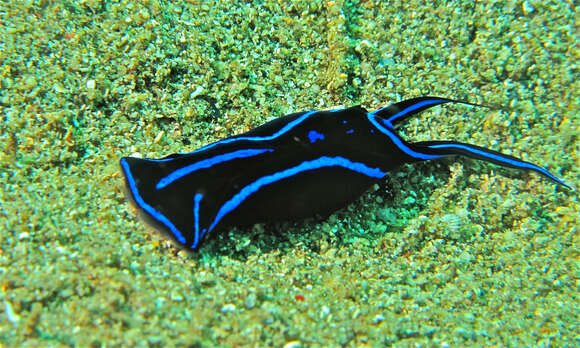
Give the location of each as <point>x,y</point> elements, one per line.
<point>453,252</point>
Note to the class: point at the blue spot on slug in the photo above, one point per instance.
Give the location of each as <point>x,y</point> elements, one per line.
<point>313,136</point>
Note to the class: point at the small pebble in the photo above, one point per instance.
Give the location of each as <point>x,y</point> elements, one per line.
<point>293,344</point>
<point>378,318</point>
<point>230,307</point>
<point>324,311</point>
<point>10,314</point>
<point>250,301</point>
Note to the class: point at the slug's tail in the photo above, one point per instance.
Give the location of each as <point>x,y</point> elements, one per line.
<point>401,111</point>
<point>451,148</point>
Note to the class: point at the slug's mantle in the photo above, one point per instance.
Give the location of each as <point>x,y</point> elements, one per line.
<point>293,167</point>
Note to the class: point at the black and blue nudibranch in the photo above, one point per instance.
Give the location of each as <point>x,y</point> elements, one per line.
<point>293,167</point>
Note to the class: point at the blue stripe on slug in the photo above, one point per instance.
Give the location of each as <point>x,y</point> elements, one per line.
<point>149,209</point>
<point>208,163</point>
<point>280,132</point>
<point>402,113</point>
<point>389,122</point>
<point>318,163</point>
<point>397,141</point>
<point>196,199</point>
<point>515,163</point>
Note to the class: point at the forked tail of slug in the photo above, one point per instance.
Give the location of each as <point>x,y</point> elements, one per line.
<point>451,148</point>
<point>395,114</point>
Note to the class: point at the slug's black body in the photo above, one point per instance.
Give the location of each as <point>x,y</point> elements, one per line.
<point>293,167</point>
